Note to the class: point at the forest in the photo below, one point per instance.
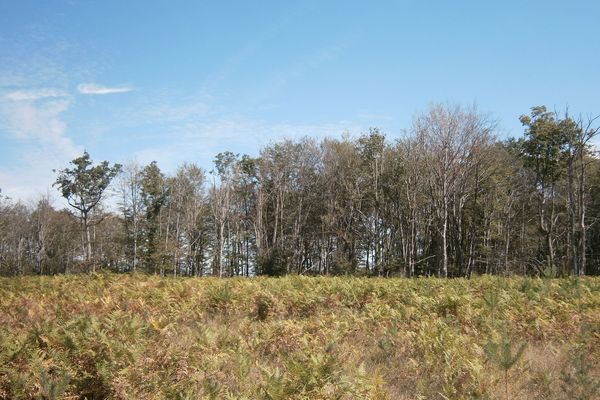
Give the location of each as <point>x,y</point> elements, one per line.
<point>447,198</point>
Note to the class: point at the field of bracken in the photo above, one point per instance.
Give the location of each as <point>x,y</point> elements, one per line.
<point>146,337</point>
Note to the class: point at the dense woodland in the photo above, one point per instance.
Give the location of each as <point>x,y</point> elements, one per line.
<point>448,198</point>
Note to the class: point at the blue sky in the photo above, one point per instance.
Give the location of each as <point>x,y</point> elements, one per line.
<point>176,81</point>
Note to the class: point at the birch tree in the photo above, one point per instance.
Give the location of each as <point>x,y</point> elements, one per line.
<point>449,138</point>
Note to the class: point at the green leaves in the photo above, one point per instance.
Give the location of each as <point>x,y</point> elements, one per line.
<point>84,184</point>
<point>83,187</point>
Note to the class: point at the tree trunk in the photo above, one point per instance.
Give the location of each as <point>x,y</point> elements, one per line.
<point>445,240</point>
<point>88,242</point>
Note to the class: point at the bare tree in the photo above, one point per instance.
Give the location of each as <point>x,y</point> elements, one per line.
<point>132,208</point>
<point>449,138</point>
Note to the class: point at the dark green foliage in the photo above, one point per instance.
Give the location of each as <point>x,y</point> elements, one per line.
<point>219,297</point>
<point>501,353</point>
<point>155,194</point>
<point>543,145</point>
<point>263,305</point>
<point>492,300</point>
<point>503,356</point>
<point>84,184</point>
<point>52,388</point>
<point>273,263</point>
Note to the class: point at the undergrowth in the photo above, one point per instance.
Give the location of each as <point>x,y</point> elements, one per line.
<point>145,337</point>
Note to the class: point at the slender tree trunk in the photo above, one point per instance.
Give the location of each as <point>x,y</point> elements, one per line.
<point>445,243</point>
<point>572,243</point>
<point>550,238</point>
<point>177,247</point>
<point>88,242</point>
<point>582,212</point>
<point>135,248</point>
<point>506,244</point>
<point>221,247</point>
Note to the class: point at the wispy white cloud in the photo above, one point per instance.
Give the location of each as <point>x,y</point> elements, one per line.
<point>34,94</point>
<point>31,183</point>
<point>39,121</point>
<point>153,112</point>
<point>200,141</point>
<point>36,124</point>
<point>38,71</point>
<point>92,88</point>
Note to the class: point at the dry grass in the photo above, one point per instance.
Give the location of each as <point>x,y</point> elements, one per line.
<point>143,337</point>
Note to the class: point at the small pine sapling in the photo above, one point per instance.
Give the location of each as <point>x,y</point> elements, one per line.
<point>53,388</point>
<point>492,299</point>
<point>501,354</point>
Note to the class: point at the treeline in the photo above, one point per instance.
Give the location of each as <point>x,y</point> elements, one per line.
<point>447,199</point>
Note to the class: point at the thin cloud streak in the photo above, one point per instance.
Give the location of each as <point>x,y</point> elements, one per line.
<point>34,94</point>
<point>201,141</point>
<point>94,89</point>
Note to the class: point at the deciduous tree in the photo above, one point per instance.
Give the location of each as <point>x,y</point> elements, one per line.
<point>83,185</point>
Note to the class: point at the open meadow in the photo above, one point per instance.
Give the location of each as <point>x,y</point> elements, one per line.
<point>145,337</point>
